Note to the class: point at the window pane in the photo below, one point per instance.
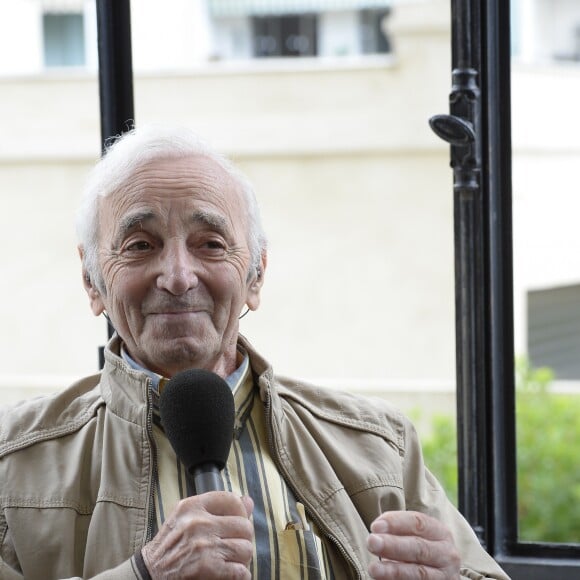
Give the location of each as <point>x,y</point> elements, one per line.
<point>554,330</point>
<point>294,35</point>
<point>373,33</point>
<point>546,71</point>
<point>64,40</point>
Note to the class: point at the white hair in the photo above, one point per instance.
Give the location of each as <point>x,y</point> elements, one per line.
<point>126,154</point>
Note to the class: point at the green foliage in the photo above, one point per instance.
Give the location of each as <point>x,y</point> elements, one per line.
<point>440,451</point>
<point>548,437</point>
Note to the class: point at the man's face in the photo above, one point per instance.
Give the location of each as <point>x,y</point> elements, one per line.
<point>174,255</point>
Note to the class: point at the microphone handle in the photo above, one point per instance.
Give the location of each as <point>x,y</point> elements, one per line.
<point>207,477</point>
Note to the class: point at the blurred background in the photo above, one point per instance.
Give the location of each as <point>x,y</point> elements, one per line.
<point>324,104</point>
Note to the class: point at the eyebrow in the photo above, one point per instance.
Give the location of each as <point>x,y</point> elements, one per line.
<point>212,220</point>
<point>129,222</point>
<point>205,218</point>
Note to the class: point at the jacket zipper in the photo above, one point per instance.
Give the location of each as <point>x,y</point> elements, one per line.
<point>319,522</point>
<point>153,451</point>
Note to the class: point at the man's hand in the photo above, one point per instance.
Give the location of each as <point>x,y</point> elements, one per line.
<point>412,545</point>
<point>208,536</point>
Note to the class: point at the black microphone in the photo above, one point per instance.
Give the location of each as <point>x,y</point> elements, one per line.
<point>197,413</point>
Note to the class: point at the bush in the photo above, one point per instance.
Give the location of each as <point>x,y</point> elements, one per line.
<point>440,451</point>
<point>548,432</point>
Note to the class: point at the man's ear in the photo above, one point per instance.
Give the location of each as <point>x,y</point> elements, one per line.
<point>95,299</point>
<point>253,300</point>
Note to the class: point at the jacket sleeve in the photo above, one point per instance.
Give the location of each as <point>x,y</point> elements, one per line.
<point>423,493</point>
<point>128,570</point>
<point>125,571</point>
<point>10,567</point>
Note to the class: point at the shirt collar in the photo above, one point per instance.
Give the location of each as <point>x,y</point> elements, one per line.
<point>158,381</point>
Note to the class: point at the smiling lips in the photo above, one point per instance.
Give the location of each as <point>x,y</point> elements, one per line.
<point>173,306</point>
<point>176,312</point>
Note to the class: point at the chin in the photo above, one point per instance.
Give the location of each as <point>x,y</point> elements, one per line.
<point>183,354</point>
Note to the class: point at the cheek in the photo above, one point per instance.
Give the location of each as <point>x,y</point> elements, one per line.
<point>119,277</point>
<point>110,270</point>
<point>228,290</point>
<point>238,288</point>
<point>124,291</point>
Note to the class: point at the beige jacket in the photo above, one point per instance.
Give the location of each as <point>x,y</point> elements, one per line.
<point>76,472</point>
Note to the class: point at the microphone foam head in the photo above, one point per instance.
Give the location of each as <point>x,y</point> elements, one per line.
<point>197,413</point>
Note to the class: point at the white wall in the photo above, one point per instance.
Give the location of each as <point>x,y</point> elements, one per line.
<point>356,197</point>
<point>20,37</point>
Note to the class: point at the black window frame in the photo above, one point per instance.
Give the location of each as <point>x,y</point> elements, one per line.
<point>478,129</point>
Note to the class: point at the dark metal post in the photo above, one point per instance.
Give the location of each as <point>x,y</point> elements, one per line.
<point>462,129</point>
<point>115,77</point>
<point>479,131</point>
<point>115,67</point>
<point>497,159</point>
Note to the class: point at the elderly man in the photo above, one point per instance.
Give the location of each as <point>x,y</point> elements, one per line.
<point>317,484</point>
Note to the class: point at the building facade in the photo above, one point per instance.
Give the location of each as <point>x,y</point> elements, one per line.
<point>355,190</point>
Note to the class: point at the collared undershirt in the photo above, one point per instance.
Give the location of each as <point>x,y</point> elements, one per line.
<point>287,543</point>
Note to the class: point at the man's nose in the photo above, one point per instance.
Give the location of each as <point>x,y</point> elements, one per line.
<point>177,269</point>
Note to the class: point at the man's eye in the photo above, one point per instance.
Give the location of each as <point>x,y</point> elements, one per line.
<point>215,245</point>
<point>140,246</point>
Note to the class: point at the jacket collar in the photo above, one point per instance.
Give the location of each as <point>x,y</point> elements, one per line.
<point>124,389</point>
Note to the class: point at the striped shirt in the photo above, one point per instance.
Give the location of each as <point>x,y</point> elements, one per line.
<point>287,543</point>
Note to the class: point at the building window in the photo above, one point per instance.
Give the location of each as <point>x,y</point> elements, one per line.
<point>292,35</point>
<point>64,39</point>
<point>373,37</point>
<point>554,330</point>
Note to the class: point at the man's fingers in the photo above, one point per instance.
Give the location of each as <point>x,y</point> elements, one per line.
<point>412,545</point>
<point>401,523</point>
<point>411,549</point>
<point>225,527</point>
<point>386,570</point>
<point>204,524</point>
<point>234,550</point>
<point>206,536</point>
<point>221,503</point>
<point>248,504</point>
